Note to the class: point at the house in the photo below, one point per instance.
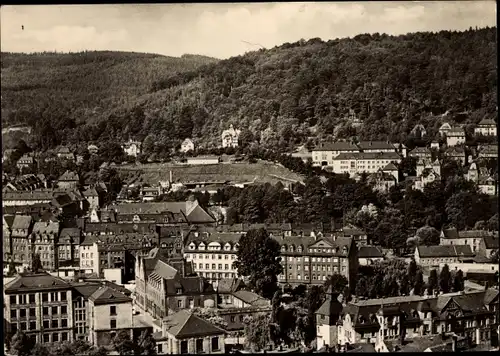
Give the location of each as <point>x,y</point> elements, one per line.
<point>487,185</point>
<point>186,333</point>
<point>455,136</point>
<point>368,255</point>
<point>472,238</point>
<point>68,245</point>
<point>432,256</point>
<point>167,284</point>
<point>203,160</point>
<point>89,256</point>
<point>401,149</point>
<point>230,137</point>
<point>488,151</point>
<point>111,312</point>
<point>486,127</point>
<point>358,163</point>
<point>44,242</point>
<point>435,145</point>
<point>327,317</point>
<point>488,246</point>
<point>25,162</point>
<point>382,181</point>
<point>187,145</point>
<point>69,180</point>
<point>64,153</point>
<point>457,154</point>
<point>92,199</point>
<point>427,176</point>
<point>444,129</point>
<point>358,235</point>
<point>93,149</point>
<point>385,321</point>
<point>428,164</point>
<point>132,148</point>
<point>324,154</point>
<point>19,240</point>
<point>421,153</point>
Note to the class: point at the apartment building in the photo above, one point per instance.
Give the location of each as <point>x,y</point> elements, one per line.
<point>41,306</point>
<point>471,238</point>
<point>212,254</point>
<point>471,314</point>
<point>44,239</point>
<point>455,137</point>
<point>358,163</point>
<point>324,154</point>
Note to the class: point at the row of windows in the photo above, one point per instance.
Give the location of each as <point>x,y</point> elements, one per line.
<point>319,268</point>
<point>314,259</point>
<point>306,277</point>
<point>47,324</point>
<point>214,275</point>
<point>214,266</point>
<point>214,257</point>
<point>52,311</point>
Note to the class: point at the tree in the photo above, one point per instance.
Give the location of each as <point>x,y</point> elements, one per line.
<point>418,286</point>
<point>146,344</point>
<point>21,344</point>
<point>458,281</point>
<point>427,236</point>
<point>432,282</point>
<point>257,331</point>
<point>36,263</point>
<point>412,271</point>
<point>123,344</point>
<point>445,279</point>
<point>12,268</point>
<point>259,259</point>
<point>338,282</point>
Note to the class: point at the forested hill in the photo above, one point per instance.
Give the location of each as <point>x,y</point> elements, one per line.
<point>67,89</point>
<point>282,95</point>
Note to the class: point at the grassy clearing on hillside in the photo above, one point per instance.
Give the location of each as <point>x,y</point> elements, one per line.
<point>154,172</point>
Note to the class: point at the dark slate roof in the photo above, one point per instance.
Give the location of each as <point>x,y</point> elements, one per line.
<point>337,146</point>
<point>184,324</point>
<point>90,192</point>
<point>229,285</point>
<point>390,167</point>
<point>375,145</point>
<point>370,252</point>
<point>189,285</point>
<point>491,242</point>
<point>149,208</point>
<point>9,220</point>
<point>368,155</point>
<point>487,122</point>
<point>331,307</point>
<point>107,295</point>
<point>85,289</point>
<point>364,347</point>
<point>28,195</point>
<point>445,251</point>
<point>30,282</point>
<point>70,234</point>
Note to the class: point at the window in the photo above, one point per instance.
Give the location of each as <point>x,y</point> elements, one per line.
<point>32,298</point>
<point>32,325</point>
<point>201,265</point>
<point>45,310</point>
<point>226,257</point>
<point>63,296</point>
<point>64,309</point>
<point>233,318</point>
<point>179,290</point>
<point>53,296</point>
<point>22,299</point>
<point>46,324</point>
<point>199,346</point>
<point>112,324</point>
<point>160,348</point>
<point>213,265</point>
<point>64,336</point>
<point>45,297</point>
<point>13,313</point>
<point>54,311</point>
<point>207,266</point>
<point>32,312</point>
<point>64,323</point>
<point>184,347</point>
<point>112,310</point>
<point>55,324</point>
<point>55,337</point>
<point>220,266</point>
<point>22,313</point>
<point>226,266</point>
<point>13,300</point>
<point>179,303</point>
<point>215,344</point>
<point>46,338</point>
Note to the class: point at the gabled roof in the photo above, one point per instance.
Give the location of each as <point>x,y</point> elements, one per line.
<point>337,146</point>
<point>445,251</point>
<point>370,252</point>
<point>46,227</point>
<point>69,176</point>
<point>390,167</point>
<point>375,145</point>
<point>90,192</point>
<point>9,221</point>
<point>331,307</point>
<point>491,242</point>
<point>21,222</point>
<point>229,285</point>
<point>164,270</point>
<point>35,282</point>
<point>487,122</point>
<point>184,324</point>
<point>107,295</point>
<point>251,298</point>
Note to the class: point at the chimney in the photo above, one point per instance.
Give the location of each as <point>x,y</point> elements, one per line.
<point>454,344</point>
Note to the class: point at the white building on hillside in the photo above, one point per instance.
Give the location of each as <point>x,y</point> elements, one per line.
<point>187,145</point>
<point>357,163</point>
<point>132,148</point>
<point>230,137</point>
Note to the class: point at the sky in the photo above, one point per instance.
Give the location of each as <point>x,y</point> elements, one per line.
<point>223,30</point>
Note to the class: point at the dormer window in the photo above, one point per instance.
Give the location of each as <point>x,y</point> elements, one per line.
<point>283,248</point>
<point>179,290</point>
<point>192,246</point>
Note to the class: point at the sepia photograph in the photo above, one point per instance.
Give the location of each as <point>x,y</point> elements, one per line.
<point>245,178</point>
